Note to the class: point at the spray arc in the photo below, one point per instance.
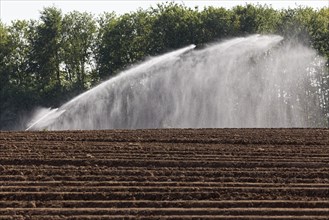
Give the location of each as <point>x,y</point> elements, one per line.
<point>242,82</point>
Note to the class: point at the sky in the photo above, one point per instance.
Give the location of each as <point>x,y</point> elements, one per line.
<point>29,9</point>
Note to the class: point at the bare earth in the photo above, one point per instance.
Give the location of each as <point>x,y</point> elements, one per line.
<point>167,174</point>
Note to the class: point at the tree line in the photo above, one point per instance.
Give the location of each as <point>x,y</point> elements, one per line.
<point>48,61</point>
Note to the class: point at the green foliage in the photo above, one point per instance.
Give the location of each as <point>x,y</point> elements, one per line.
<point>173,26</point>
<point>45,55</point>
<point>123,41</point>
<point>48,61</point>
<point>78,37</point>
<point>5,50</point>
<point>217,23</point>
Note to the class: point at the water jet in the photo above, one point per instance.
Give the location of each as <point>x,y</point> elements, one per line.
<point>243,82</point>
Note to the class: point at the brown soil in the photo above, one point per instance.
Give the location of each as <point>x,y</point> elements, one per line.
<point>166,174</point>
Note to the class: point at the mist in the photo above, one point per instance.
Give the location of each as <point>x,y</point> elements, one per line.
<point>255,81</point>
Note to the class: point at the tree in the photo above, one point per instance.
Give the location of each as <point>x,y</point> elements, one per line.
<point>5,50</point>
<point>79,31</point>
<point>104,58</point>
<point>217,23</point>
<point>46,47</point>
<point>123,41</point>
<point>17,91</point>
<point>174,26</point>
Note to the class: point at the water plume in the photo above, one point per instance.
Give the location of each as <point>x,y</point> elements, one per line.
<point>255,81</point>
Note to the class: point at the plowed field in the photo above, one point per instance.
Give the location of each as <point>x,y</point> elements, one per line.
<point>165,174</point>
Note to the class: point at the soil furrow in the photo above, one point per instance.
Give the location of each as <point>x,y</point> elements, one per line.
<point>165,174</point>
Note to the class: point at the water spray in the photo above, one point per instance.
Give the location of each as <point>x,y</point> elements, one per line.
<point>243,82</point>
